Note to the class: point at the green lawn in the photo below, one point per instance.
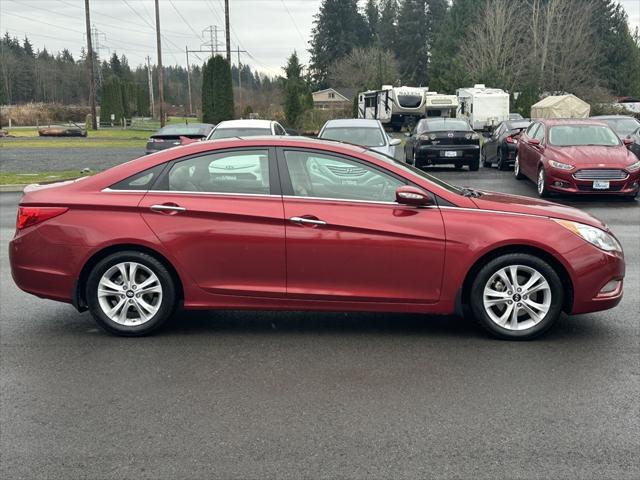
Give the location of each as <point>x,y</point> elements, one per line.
<point>9,178</point>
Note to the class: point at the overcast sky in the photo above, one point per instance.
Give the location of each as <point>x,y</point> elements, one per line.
<point>268,29</point>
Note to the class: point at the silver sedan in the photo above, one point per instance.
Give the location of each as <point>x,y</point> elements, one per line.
<point>359,131</point>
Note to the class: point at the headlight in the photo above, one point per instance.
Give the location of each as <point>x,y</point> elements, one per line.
<point>561,166</point>
<point>593,235</point>
<point>633,167</point>
<point>475,136</point>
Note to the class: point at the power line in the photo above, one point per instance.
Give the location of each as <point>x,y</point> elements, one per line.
<point>183,19</point>
<point>293,21</point>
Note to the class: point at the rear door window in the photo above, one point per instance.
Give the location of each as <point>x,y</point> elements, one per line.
<point>238,171</point>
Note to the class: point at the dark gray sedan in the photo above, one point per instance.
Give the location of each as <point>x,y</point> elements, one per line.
<point>177,134</point>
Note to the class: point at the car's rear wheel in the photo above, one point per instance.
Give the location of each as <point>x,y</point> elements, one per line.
<point>483,153</point>
<point>517,296</point>
<point>130,293</point>
<point>501,163</point>
<point>541,184</point>
<point>516,169</point>
<point>410,159</point>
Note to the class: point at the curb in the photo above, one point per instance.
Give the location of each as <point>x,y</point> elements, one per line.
<point>12,188</point>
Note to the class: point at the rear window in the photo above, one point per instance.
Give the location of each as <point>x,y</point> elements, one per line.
<point>183,130</point>
<point>440,124</point>
<point>238,132</point>
<point>365,136</point>
<point>622,126</point>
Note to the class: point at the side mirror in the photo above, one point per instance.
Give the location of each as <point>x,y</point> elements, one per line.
<point>407,195</point>
<point>394,141</point>
<point>534,141</point>
<point>628,141</point>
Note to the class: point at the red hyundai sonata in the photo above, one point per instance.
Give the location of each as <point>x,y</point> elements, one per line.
<point>298,224</point>
<point>577,156</point>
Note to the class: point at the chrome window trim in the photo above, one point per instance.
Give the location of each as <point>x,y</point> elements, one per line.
<point>340,200</point>
<point>192,192</point>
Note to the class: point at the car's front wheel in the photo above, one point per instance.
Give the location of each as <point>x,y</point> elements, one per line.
<point>130,293</point>
<point>516,169</point>
<point>541,184</point>
<point>517,296</point>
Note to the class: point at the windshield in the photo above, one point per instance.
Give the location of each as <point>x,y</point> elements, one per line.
<point>622,126</point>
<point>365,136</point>
<point>238,132</point>
<point>577,135</point>
<point>440,124</point>
<point>416,171</point>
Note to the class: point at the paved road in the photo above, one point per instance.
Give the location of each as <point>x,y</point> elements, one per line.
<point>31,160</point>
<point>316,395</point>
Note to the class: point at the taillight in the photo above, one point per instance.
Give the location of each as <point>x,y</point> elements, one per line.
<point>509,140</point>
<point>28,216</point>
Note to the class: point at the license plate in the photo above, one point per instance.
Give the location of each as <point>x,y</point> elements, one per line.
<point>600,184</point>
<point>449,153</point>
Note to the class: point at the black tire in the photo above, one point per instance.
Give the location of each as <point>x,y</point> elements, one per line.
<point>523,259</point>
<point>485,162</point>
<point>501,164</point>
<point>458,166</point>
<point>541,184</point>
<point>411,160</point>
<point>516,169</point>
<point>474,165</point>
<point>166,305</point>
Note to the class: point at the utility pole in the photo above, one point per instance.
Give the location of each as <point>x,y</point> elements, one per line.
<point>239,78</point>
<point>226,30</point>
<point>186,49</point>
<point>150,80</point>
<point>92,81</point>
<point>160,75</point>
<point>213,44</point>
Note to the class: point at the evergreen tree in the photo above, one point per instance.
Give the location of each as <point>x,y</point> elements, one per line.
<point>372,15</point>
<point>387,26</point>
<point>298,97</point>
<point>111,101</point>
<point>412,37</point>
<point>338,28</point>
<point>207,92</point>
<point>217,91</point>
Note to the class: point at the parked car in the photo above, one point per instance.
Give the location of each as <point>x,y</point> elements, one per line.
<point>500,147</point>
<point>438,141</point>
<point>177,134</point>
<point>577,156</point>
<point>246,128</point>
<point>625,127</point>
<point>132,243</point>
<point>515,116</point>
<point>360,131</point>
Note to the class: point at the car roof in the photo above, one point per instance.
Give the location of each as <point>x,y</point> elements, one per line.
<point>612,117</point>
<point>245,123</point>
<point>352,122</point>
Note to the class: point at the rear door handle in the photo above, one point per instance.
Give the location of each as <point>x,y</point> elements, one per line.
<point>307,221</point>
<point>167,208</point>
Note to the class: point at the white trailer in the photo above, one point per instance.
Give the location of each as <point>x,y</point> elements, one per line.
<point>440,105</point>
<point>484,108</point>
<point>393,106</point>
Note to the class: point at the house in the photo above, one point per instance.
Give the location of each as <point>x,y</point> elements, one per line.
<point>334,98</point>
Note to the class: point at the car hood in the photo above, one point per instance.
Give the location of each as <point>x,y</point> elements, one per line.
<point>387,150</point>
<point>591,156</point>
<point>530,206</point>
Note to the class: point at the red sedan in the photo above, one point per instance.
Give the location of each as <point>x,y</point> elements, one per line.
<point>298,224</point>
<point>577,156</point>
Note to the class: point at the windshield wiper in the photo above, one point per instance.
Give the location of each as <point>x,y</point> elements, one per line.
<point>470,192</point>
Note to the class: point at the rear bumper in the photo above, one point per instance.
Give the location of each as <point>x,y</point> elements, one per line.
<point>437,154</point>
<point>564,182</point>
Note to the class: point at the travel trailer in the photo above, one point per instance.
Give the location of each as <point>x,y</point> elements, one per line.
<point>484,108</point>
<point>440,105</point>
<point>393,106</point>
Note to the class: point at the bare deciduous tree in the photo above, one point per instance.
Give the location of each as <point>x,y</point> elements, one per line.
<point>364,68</point>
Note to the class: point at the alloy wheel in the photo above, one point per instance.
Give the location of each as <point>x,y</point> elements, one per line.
<point>517,297</point>
<point>129,293</point>
<point>541,182</point>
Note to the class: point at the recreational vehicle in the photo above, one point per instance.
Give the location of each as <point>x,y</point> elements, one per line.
<point>393,106</point>
<point>484,108</point>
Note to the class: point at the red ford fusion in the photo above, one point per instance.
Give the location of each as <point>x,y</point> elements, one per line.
<point>577,156</point>
<point>286,223</point>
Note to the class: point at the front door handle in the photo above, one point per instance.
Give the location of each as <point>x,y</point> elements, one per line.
<point>307,221</point>
<point>167,208</point>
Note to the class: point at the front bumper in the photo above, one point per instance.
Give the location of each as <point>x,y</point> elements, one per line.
<point>564,182</point>
<point>437,154</point>
<point>593,270</point>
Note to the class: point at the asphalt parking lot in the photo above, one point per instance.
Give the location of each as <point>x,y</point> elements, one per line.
<point>318,395</point>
